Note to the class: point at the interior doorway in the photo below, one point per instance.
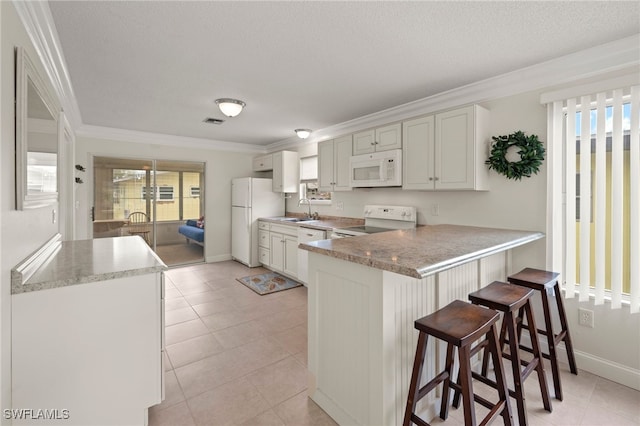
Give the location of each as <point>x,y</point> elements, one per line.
<point>152,199</point>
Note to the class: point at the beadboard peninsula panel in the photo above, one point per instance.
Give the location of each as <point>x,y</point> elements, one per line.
<point>343,319</point>
<point>457,283</point>
<point>411,299</point>
<point>493,268</point>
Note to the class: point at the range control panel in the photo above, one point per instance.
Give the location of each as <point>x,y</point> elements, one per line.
<point>400,213</point>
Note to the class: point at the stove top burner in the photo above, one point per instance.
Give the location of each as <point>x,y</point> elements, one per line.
<point>366,229</point>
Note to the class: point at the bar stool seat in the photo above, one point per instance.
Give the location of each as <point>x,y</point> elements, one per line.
<point>511,300</point>
<point>542,281</point>
<point>460,324</point>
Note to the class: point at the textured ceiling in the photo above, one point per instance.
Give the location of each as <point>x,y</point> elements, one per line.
<point>158,66</point>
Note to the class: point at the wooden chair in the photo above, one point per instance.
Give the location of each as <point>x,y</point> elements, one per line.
<point>139,225</point>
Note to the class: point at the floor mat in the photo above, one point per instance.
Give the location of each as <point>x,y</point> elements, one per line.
<point>270,282</point>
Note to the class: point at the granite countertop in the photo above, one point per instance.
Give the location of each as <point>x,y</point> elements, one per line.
<point>86,261</point>
<point>422,251</point>
<point>325,223</point>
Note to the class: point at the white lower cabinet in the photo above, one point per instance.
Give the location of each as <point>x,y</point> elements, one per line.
<point>89,353</point>
<point>290,266</point>
<point>277,252</point>
<point>279,248</point>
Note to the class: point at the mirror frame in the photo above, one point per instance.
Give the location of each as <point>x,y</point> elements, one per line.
<point>25,71</point>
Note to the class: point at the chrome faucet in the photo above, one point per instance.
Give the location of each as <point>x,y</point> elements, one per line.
<point>310,216</point>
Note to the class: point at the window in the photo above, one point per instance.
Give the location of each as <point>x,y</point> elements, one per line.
<point>594,164</point>
<point>163,193</point>
<point>309,182</point>
<point>122,186</point>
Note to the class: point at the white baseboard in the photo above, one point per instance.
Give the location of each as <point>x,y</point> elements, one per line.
<point>218,258</point>
<point>605,368</point>
<point>610,370</point>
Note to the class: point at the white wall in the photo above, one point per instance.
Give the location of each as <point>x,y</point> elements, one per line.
<point>612,348</point>
<point>22,232</point>
<point>220,168</point>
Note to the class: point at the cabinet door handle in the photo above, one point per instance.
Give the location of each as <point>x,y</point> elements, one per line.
<point>430,178</point>
<point>437,178</point>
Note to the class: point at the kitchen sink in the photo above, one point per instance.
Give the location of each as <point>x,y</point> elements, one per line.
<point>294,219</point>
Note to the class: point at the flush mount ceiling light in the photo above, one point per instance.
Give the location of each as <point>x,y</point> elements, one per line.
<point>303,133</point>
<point>230,107</point>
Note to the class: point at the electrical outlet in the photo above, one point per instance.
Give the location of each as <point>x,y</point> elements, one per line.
<point>340,205</point>
<point>435,209</point>
<point>585,317</point>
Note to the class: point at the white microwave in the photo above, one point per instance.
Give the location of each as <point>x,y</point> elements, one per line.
<point>376,169</point>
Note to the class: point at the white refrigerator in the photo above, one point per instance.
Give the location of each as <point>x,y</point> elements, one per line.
<point>251,199</point>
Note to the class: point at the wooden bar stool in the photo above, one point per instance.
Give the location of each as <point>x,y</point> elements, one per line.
<point>460,324</point>
<point>512,299</point>
<point>542,281</point>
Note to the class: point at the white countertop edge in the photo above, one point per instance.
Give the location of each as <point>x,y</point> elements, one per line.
<point>452,263</point>
<point>25,270</point>
<point>428,270</point>
<point>47,285</point>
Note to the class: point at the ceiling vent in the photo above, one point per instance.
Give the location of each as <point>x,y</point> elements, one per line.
<point>212,120</point>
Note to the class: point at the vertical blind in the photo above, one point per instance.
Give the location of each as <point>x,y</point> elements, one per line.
<point>600,231</point>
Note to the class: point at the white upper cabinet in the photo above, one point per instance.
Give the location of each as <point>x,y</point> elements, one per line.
<point>263,163</point>
<point>447,151</point>
<point>417,154</point>
<point>286,171</point>
<point>381,139</point>
<point>333,164</point>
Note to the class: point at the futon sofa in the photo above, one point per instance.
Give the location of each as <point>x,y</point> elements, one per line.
<point>193,230</point>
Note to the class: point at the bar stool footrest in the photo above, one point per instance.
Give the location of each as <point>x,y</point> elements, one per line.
<point>432,385</point>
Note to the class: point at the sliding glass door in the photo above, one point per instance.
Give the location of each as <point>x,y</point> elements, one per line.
<point>152,199</point>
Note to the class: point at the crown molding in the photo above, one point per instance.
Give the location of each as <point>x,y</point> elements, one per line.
<point>40,27</point>
<point>134,136</point>
<point>599,60</point>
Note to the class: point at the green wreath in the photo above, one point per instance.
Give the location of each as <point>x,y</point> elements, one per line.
<point>531,155</point>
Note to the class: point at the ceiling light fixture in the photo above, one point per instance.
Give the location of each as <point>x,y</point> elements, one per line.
<point>230,107</point>
<point>303,133</point>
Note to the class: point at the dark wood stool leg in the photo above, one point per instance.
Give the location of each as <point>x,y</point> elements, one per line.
<point>467,386</point>
<point>514,344</point>
<point>501,381</point>
<point>537,353</point>
<point>485,354</point>
<point>415,378</point>
<point>551,342</point>
<point>565,328</point>
<point>444,406</point>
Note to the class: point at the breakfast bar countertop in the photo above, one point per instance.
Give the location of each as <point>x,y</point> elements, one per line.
<point>65,263</point>
<point>422,251</point>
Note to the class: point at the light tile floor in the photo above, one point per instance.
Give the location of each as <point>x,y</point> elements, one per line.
<point>237,358</point>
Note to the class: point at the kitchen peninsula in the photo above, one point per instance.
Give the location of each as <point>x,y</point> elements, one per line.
<point>88,331</point>
<point>365,294</point>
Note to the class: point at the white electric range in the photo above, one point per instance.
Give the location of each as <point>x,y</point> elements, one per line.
<point>380,219</point>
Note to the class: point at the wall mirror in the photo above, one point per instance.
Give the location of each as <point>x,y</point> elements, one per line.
<point>37,146</point>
